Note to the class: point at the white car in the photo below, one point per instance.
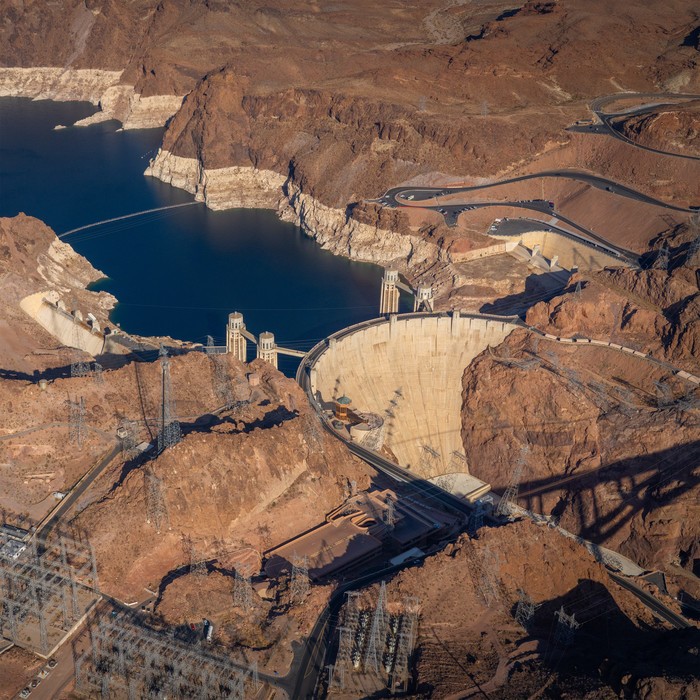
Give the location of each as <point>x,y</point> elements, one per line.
<point>26,693</point>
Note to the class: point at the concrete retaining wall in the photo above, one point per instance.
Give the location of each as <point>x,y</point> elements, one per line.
<point>570,254</point>
<point>62,326</point>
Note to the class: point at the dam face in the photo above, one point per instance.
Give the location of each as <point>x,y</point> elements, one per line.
<point>409,370</point>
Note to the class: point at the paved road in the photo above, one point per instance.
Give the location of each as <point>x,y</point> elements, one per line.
<point>430,198</point>
<point>651,602</point>
<point>607,119</point>
<point>76,492</point>
<point>420,194</point>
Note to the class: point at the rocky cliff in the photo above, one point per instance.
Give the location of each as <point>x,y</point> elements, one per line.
<point>468,643</point>
<point>611,440</point>
<point>34,264</point>
<point>244,480</point>
<point>343,102</point>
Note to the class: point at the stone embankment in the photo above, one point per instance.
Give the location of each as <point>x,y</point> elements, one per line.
<point>100,87</point>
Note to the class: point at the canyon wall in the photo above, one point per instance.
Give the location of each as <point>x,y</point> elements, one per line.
<point>100,87</point>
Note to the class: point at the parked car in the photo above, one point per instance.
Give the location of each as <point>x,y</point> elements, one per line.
<point>26,692</point>
<point>52,663</point>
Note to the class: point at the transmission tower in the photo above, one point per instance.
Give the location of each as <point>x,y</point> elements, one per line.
<point>662,259</point>
<point>169,434</point>
<point>577,291</point>
<point>127,434</point>
<point>525,609</point>
<point>446,481</point>
<point>197,565</point>
<point>300,579</point>
<point>428,458</point>
<point>76,419</point>
<point>390,512</point>
<point>97,373</point>
<point>156,510</point>
<point>664,394</point>
<point>565,630</point>
<point>407,633</point>
<point>458,462</point>
<point>78,367</point>
<point>476,519</point>
<point>377,635</point>
<point>242,591</point>
<point>510,496</point>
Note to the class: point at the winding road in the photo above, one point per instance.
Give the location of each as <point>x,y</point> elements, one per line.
<point>606,119</point>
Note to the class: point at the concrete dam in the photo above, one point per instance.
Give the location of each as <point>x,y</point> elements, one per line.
<point>406,371</point>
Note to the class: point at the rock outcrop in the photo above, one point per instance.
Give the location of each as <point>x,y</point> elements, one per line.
<point>253,478</point>
<point>465,643</point>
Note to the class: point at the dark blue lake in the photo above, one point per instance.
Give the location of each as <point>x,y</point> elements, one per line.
<point>182,271</point>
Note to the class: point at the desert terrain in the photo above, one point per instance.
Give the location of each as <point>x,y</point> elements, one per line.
<point>470,146</point>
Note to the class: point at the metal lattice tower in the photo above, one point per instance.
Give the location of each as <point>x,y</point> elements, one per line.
<point>525,609</point>
<point>221,381</point>
<point>156,510</point>
<point>662,259</point>
<point>664,394</point>
<point>406,640</point>
<point>300,579</point>
<point>510,497</point>
<point>131,660</point>
<point>197,565</point>
<point>375,438</point>
<point>97,373</point>
<point>429,457</point>
<point>375,645</point>
<point>390,512</point>
<point>127,434</point>
<point>476,519</point>
<point>577,291</point>
<point>565,630</point>
<point>336,676</point>
<point>76,420</point>
<point>483,569</point>
<point>242,591</point>
<point>78,367</point>
<point>458,462</point>
<point>169,434</point>
<point>446,481</point>
<point>44,587</point>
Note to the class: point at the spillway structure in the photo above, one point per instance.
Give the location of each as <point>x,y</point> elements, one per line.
<point>408,369</point>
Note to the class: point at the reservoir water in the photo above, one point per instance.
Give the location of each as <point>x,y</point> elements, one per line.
<point>178,272</point>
